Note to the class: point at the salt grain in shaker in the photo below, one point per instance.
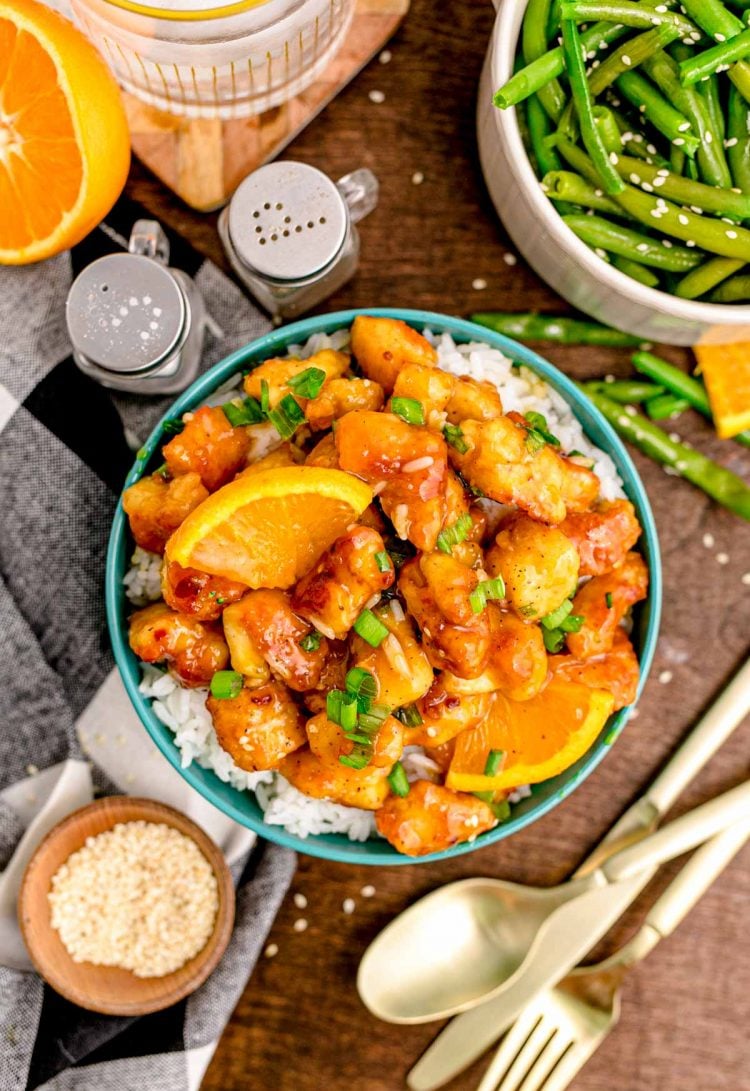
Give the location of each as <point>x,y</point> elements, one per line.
<point>289,233</point>
<point>135,323</point>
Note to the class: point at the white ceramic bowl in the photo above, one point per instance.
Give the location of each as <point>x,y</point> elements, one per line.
<point>551,248</point>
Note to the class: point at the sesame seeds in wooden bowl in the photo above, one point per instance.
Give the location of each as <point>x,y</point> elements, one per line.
<point>60,889</point>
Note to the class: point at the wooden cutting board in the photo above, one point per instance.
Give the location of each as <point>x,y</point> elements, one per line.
<point>204,159</point>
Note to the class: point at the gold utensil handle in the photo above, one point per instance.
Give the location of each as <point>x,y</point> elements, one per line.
<point>681,835</point>
<point>703,867</point>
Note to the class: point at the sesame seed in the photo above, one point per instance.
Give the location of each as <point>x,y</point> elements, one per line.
<point>731,234</point>
<point>709,541</point>
<point>32,770</point>
<point>510,259</point>
<point>731,142</point>
<point>659,181</point>
<point>648,187</point>
<point>300,901</point>
<point>614,158</point>
<point>746,579</point>
<point>683,126</point>
<point>633,714</point>
<point>479,284</point>
<point>708,136</point>
<point>376,96</point>
<point>349,905</point>
<point>661,8</point>
<point>272,950</point>
<point>368,891</point>
<point>643,247</point>
<point>683,220</point>
<point>300,924</point>
<point>722,558</point>
<point>678,141</point>
<point>720,37</point>
<point>635,179</point>
<point>665,677</point>
<point>690,242</point>
<point>662,173</point>
<point>417,178</point>
<point>626,60</point>
<point>651,149</point>
<point>667,243</point>
<point>696,210</point>
<point>599,252</point>
<point>385,56</point>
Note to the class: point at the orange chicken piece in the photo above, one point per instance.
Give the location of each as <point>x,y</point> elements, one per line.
<point>603,535</point>
<point>193,650</point>
<point>538,564</point>
<point>383,346</point>
<point>328,742</point>
<point>340,396</point>
<point>190,591</point>
<point>432,818</point>
<point>155,508</point>
<point>258,727</point>
<point>616,671</point>
<point>263,626</point>
<point>603,602</point>
<point>517,661</point>
<point>445,715</point>
<point>473,400</point>
<point>209,446</point>
<point>401,669</point>
<point>428,385</point>
<point>278,372</point>
<point>365,788</point>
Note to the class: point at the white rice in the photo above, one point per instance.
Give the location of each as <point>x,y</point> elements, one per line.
<point>184,710</point>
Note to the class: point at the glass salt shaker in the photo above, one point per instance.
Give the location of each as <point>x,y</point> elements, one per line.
<point>137,324</point>
<point>289,233</point>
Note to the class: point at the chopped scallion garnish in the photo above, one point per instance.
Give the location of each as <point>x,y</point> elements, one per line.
<point>162,471</point>
<point>398,780</point>
<point>454,437</point>
<point>608,600</point>
<point>361,683</point>
<point>172,426</point>
<point>538,424</point>
<point>409,715</point>
<point>308,383</point>
<point>573,623</point>
<point>409,409</point>
<point>384,562</point>
<point>358,758</point>
<point>265,395</point>
<point>555,619</point>
<point>456,533</point>
<point>286,417</point>
<point>484,591</point>
<point>553,639</point>
<point>373,719</point>
<point>370,628</point>
<point>311,642</point>
<point>348,720</point>
<point>225,685</point>
<point>247,412</point>
<point>495,759</point>
<point>334,701</point>
<point>501,810</point>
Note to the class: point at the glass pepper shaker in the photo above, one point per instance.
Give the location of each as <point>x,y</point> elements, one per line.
<point>289,233</point>
<point>136,323</point>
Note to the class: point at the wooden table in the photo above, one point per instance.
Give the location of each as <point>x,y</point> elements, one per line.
<point>300,1025</point>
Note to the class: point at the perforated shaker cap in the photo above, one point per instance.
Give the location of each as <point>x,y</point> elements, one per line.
<point>125,313</point>
<point>287,221</point>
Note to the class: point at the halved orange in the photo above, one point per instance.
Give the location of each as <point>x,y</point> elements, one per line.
<point>64,142</point>
<point>540,738</point>
<point>726,373</point>
<point>269,528</point>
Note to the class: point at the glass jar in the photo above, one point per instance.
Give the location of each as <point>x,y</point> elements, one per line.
<point>233,60</point>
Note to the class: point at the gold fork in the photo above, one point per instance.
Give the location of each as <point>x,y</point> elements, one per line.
<point>557,1033</point>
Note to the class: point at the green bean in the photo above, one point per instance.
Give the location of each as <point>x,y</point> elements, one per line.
<point>636,271</point>
<point>662,114</point>
<point>553,21</point>
<point>547,67</point>
<point>704,64</point>
<point>564,185</point>
<point>665,406</point>
<point>538,124</point>
<point>618,239</point>
<point>533,46</point>
<point>691,170</point>
<point>665,73</point>
<point>563,331</point>
<point>626,391</point>
<point>677,160</point>
<point>739,74</point>
<point>713,17</point>
<point>683,190</point>
<point>576,69</point>
<point>738,139</point>
<point>629,55</point>
<point>608,130</point>
<point>625,12</point>
<point>715,480</point>
<point>734,290</point>
<point>709,91</point>
<point>701,280</point>
<point>728,240</point>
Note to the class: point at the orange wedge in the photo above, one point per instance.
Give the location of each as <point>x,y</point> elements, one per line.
<point>540,738</point>
<point>726,373</point>
<point>64,143</point>
<point>269,528</point>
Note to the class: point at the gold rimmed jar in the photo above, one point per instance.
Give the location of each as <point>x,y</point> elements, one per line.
<point>198,58</point>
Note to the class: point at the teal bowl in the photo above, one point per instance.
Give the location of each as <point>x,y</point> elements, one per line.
<point>242,806</point>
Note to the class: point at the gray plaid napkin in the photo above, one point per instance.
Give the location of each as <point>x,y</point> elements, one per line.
<point>66,726</point>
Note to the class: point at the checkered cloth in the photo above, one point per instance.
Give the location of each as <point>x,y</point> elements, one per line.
<point>66,726</point>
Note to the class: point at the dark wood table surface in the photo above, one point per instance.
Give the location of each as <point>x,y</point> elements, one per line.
<point>300,1025</point>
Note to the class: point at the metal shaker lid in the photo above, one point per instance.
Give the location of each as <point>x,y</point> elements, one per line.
<point>125,313</point>
<point>287,221</point>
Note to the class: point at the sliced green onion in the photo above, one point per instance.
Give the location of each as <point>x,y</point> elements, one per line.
<point>226,685</point>
<point>334,703</point>
<point>409,715</point>
<point>172,426</point>
<point>286,417</point>
<point>455,534</point>
<point>573,623</point>
<point>553,620</point>
<point>361,683</point>
<point>553,639</point>
<point>248,412</point>
<point>495,759</point>
<point>454,437</point>
<point>384,562</point>
<point>534,441</point>
<point>265,396</point>
<point>311,642</point>
<point>358,759</point>
<point>370,628</point>
<point>373,719</point>
<point>308,383</point>
<point>487,589</point>
<point>501,810</point>
<point>348,720</point>
<point>538,424</point>
<point>608,600</point>
<point>162,471</point>
<point>409,409</point>
<point>398,780</point>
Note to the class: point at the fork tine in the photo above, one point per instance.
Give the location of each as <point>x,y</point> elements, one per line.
<point>510,1047</point>
<point>570,1065</point>
<point>527,1055</point>
<point>556,1047</point>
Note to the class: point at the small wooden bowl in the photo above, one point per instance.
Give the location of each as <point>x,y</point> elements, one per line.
<point>108,989</point>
